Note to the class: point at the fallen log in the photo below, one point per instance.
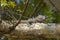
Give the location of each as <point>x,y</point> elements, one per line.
<point>25,30</point>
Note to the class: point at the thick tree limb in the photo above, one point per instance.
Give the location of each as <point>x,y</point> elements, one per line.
<point>48,30</point>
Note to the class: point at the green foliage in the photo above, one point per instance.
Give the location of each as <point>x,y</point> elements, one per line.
<point>13,8</point>
<point>56,15</point>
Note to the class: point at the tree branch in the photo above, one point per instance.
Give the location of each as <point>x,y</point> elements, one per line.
<point>36,29</point>
<point>35,9</point>
<point>14,26</point>
<point>53,5</point>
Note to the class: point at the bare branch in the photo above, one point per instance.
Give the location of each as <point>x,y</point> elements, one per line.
<point>35,9</point>
<point>54,5</point>
<point>14,26</point>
